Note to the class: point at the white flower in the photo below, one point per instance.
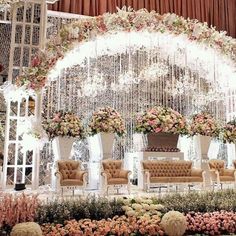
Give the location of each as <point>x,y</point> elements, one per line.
<point>171,18</point>
<point>136,206</point>
<point>26,229</point>
<point>159,207</point>
<point>197,30</point>
<point>131,213</point>
<point>146,206</point>
<point>126,208</point>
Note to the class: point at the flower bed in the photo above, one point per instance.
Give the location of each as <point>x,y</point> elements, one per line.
<point>107,120</point>
<point>160,119</point>
<point>116,226</point>
<point>210,213</point>
<point>64,124</point>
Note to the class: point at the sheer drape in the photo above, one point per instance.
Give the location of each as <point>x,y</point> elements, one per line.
<point>220,13</point>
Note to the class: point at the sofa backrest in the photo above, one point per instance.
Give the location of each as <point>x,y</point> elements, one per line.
<point>164,168</point>
<point>216,165</point>
<point>113,167</point>
<point>68,168</point>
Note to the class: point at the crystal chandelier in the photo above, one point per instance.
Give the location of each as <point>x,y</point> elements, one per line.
<point>93,85</point>
<point>184,85</point>
<point>154,71</point>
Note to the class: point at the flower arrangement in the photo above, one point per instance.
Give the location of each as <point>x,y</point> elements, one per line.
<point>160,119</point>
<point>64,124</point>
<point>142,208</point>
<point>26,229</point>
<point>205,124</point>
<point>6,2</point>
<point>124,20</point>
<point>214,223</point>
<point>174,223</point>
<point>228,133</point>
<point>17,209</point>
<point>107,120</point>
<point>116,226</point>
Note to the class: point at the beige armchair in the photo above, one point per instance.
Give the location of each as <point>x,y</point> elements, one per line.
<point>70,176</point>
<point>219,174</point>
<point>114,175</point>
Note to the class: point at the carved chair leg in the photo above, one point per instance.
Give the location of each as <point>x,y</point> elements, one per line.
<point>189,187</point>
<point>128,188</point>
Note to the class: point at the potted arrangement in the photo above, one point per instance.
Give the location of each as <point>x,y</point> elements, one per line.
<point>63,128</point>
<point>106,122</point>
<point>206,127</point>
<point>162,126</point>
<point>228,134</point>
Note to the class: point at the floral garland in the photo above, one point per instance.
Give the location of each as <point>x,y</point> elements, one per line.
<point>6,4</point>
<point>107,120</point>
<point>160,119</point>
<point>229,132</point>
<point>205,124</point>
<point>127,21</point>
<point>64,124</point>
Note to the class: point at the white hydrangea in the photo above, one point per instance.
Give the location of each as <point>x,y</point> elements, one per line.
<point>26,229</point>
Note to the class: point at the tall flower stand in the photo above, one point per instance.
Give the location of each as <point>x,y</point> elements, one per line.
<point>61,147</point>
<point>106,141</point>
<point>94,162</point>
<point>203,144</point>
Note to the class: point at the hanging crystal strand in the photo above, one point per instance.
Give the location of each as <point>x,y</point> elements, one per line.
<point>70,92</point>
<point>172,80</point>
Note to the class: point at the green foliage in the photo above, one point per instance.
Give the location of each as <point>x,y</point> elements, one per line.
<point>87,208</point>
<point>200,202</point>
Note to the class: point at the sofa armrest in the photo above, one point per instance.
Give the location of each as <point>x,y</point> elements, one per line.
<point>124,173</point>
<point>59,175</point>
<point>146,174</point>
<point>196,172</point>
<point>106,174</point>
<point>80,175</point>
<point>215,175</point>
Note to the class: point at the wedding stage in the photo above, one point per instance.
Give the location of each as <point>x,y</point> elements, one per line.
<point>133,106</point>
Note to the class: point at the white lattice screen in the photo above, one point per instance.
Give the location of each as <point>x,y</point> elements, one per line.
<point>28,35</point>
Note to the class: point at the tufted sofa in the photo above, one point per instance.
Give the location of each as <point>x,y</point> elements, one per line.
<point>70,175</point>
<point>176,172</point>
<point>114,175</point>
<point>219,174</point>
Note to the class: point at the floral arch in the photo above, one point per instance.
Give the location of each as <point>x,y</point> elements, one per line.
<point>187,44</point>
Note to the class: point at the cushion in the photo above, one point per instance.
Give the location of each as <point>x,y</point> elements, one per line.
<point>118,181</point>
<point>71,182</point>
<point>227,178</point>
<point>196,172</point>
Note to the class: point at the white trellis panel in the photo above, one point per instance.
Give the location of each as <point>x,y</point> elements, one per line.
<point>28,34</point>
<point>27,37</point>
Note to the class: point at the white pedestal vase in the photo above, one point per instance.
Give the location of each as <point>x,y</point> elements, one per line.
<point>106,141</point>
<point>61,149</point>
<point>203,144</point>
<point>94,164</point>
